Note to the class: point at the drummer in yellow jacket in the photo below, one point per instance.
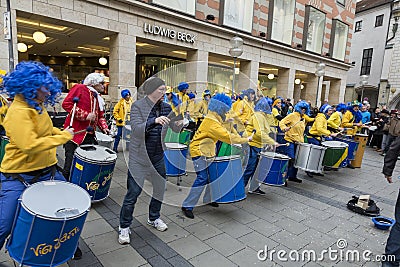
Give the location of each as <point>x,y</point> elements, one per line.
<point>121,111</point>
<point>335,120</point>
<point>258,127</point>
<point>349,119</point>
<point>201,108</point>
<point>30,156</point>
<point>293,126</point>
<point>172,100</point>
<point>203,146</point>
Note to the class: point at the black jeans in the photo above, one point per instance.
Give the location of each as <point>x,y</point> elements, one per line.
<point>70,148</point>
<point>393,242</point>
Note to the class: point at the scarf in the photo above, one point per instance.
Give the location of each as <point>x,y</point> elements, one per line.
<point>100,100</point>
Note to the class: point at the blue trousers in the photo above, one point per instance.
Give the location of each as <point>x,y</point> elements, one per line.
<point>202,180</point>
<point>393,242</point>
<point>314,141</point>
<point>290,151</point>
<point>251,168</point>
<point>135,180</point>
<point>11,190</point>
<point>118,137</point>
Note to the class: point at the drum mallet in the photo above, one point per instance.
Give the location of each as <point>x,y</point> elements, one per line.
<point>88,129</point>
<point>95,99</point>
<point>286,144</point>
<point>252,133</point>
<point>75,100</point>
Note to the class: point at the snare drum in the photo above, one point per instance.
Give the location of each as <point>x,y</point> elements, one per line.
<point>92,169</point>
<point>104,140</point>
<point>309,157</point>
<point>229,150</point>
<point>226,183</point>
<point>335,154</point>
<point>4,141</point>
<point>48,223</point>
<point>272,168</point>
<point>175,159</point>
<point>353,145</point>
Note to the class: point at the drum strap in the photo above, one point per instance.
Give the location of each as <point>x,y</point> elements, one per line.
<point>37,176</point>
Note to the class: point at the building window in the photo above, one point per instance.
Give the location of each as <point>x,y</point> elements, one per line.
<point>281,24</point>
<point>238,14</point>
<point>341,2</point>
<point>366,61</point>
<point>314,30</point>
<point>358,26</point>
<point>379,21</point>
<point>185,6</point>
<point>339,39</point>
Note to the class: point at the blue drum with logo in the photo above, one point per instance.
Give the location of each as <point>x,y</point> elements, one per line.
<point>92,169</point>
<point>175,159</point>
<point>272,168</point>
<point>48,223</point>
<point>226,183</point>
<point>353,146</point>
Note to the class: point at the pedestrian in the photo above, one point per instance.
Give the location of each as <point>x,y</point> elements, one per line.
<point>120,112</point>
<point>393,130</point>
<point>85,104</point>
<point>31,154</point>
<point>150,117</point>
<point>393,241</point>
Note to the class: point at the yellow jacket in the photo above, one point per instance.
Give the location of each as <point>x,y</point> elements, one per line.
<point>320,126</point>
<point>275,112</point>
<point>248,111</point>
<point>259,123</point>
<point>347,122</point>
<point>201,109</point>
<point>3,109</point>
<point>210,131</point>
<point>174,109</point>
<point>33,139</point>
<point>184,98</point>
<point>335,120</point>
<point>121,110</point>
<point>236,114</point>
<point>296,133</point>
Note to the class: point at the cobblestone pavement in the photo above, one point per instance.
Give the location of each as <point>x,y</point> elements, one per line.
<point>307,216</point>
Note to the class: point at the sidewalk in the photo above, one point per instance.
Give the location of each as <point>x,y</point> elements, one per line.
<point>307,216</point>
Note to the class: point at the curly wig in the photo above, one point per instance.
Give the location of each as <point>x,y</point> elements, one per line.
<point>263,105</point>
<point>341,107</point>
<point>221,104</point>
<point>302,105</point>
<point>29,77</point>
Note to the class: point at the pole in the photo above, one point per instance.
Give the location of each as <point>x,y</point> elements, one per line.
<point>362,93</point>
<point>233,76</point>
<point>10,42</point>
<point>318,89</point>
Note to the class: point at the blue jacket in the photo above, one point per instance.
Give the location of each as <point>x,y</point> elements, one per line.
<point>366,116</point>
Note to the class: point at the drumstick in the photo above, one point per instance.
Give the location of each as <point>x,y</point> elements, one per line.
<point>95,99</point>
<point>302,119</point>
<point>88,129</point>
<point>75,100</point>
<point>253,132</point>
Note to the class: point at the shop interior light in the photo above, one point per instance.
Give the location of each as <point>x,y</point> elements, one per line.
<point>103,61</point>
<point>179,52</point>
<point>22,47</point>
<point>302,87</point>
<point>271,76</point>
<point>297,81</point>
<point>39,37</point>
<point>93,49</point>
<point>71,53</point>
<point>43,25</point>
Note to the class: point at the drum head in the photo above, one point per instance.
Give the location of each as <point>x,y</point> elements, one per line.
<point>3,137</point>
<point>176,146</point>
<point>103,137</point>
<point>334,144</point>
<point>56,200</point>
<point>96,153</point>
<point>274,155</point>
<point>237,145</point>
<point>226,158</point>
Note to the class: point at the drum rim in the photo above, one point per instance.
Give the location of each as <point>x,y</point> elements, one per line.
<point>281,156</point>
<point>86,210</point>
<point>312,146</point>
<point>175,148</point>
<point>224,158</point>
<point>345,145</point>
<point>76,153</point>
<point>99,138</point>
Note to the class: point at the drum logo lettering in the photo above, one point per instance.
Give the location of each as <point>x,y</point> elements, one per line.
<point>43,249</point>
<point>92,186</point>
<point>106,179</point>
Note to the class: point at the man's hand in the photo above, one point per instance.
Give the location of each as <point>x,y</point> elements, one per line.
<point>389,179</point>
<point>333,134</point>
<point>106,131</point>
<point>91,117</point>
<point>286,129</point>
<point>162,120</point>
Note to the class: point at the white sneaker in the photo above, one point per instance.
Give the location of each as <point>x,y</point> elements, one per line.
<point>123,237</point>
<point>158,224</point>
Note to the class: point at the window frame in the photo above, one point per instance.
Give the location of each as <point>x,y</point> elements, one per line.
<point>332,41</point>
<point>193,13</point>
<point>366,57</point>
<point>305,30</point>
<point>358,26</point>
<point>271,20</point>
<point>381,20</point>
<point>222,16</point>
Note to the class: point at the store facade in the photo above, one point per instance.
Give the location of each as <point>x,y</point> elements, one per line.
<point>283,43</point>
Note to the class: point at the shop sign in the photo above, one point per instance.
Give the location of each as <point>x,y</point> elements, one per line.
<point>6,26</point>
<point>169,33</point>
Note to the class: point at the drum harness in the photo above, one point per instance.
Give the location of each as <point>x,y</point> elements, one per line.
<point>37,175</point>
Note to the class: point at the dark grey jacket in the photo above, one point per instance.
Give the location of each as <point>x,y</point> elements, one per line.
<point>146,136</point>
<point>391,157</point>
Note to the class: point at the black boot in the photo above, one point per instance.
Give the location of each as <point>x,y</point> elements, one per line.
<point>77,254</point>
<point>296,180</point>
<point>188,213</point>
<point>214,204</point>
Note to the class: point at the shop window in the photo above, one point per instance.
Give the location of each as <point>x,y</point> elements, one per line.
<point>314,29</point>
<point>238,14</point>
<point>220,79</point>
<point>379,21</point>
<point>339,39</point>
<point>366,61</point>
<point>358,26</point>
<point>185,6</point>
<point>281,25</point>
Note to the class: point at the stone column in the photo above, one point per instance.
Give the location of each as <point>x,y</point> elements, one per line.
<point>285,85</point>
<point>297,93</point>
<point>337,91</point>
<point>122,65</point>
<point>197,70</point>
<point>248,77</point>
<point>311,89</point>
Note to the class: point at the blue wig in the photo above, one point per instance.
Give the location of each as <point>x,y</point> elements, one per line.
<point>263,105</point>
<point>191,95</point>
<point>248,92</point>
<point>302,105</point>
<point>341,107</point>
<point>270,101</point>
<point>221,104</point>
<point>29,77</point>
<point>182,86</point>
<point>125,93</point>
<point>356,114</point>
